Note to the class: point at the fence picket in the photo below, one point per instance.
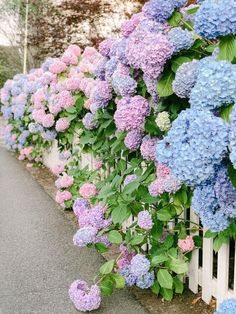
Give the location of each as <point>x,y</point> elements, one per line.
<point>194,263</point>
<point>207,270</point>
<point>222,272</point>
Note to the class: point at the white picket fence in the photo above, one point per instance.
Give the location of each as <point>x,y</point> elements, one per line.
<point>214,274</point>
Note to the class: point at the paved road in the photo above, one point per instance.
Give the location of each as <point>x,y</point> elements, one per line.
<point>37,258</point>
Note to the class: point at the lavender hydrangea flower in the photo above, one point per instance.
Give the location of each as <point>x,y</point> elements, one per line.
<point>123,85</point>
<point>130,178</point>
<point>197,140</point>
<point>145,281</point>
<point>232,137</point>
<point>148,147</point>
<point>89,122</point>
<point>85,236</point>
<point>180,39</point>
<point>139,265</point>
<point>85,298</point>
<point>185,79</point>
<point>145,220</point>
<point>133,140</point>
<point>216,18</point>
<point>179,3</point>
<point>80,205</point>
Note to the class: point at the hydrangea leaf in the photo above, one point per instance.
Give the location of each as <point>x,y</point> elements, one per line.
<point>225,113</point>
<point>120,214</point>
<point>119,280</point>
<point>179,286</point>
<point>164,85</point>
<point>176,63</point>
<point>175,19</point>
<point>232,174</point>
<point>115,237</point>
<point>101,247</point>
<point>155,288</point>
<point>159,259</point>
<point>167,294</point>
<point>137,239</point>
<point>178,266</point>
<point>107,268</point>
<point>165,279</point>
<point>227,48</point>
<point>106,287</point>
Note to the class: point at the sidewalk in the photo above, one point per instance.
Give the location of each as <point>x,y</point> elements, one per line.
<point>38,260</point>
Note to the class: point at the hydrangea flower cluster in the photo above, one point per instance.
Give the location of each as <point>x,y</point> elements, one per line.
<point>215,202</point>
<point>131,113</point>
<point>133,140</point>
<point>197,140</point>
<point>232,137</point>
<point>137,272</point>
<point>215,85</point>
<point>163,121</point>
<point>180,39</point>
<point>185,79</point>
<point>227,306</point>
<point>186,245</point>
<point>216,18</point>
<point>85,298</point>
<point>145,220</point>
<point>148,147</point>
<point>165,182</point>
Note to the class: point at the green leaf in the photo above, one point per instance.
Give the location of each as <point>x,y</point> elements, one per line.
<point>179,286</point>
<point>218,241</point>
<point>137,239</point>
<point>115,237</point>
<point>232,174</point>
<point>105,192</point>
<point>71,110</point>
<point>164,85</point>
<point>101,247</point>
<point>178,266</point>
<point>131,187</point>
<point>119,280</point>
<point>209,234</point>
<point>106,286</point>
<point>107,267</point>
<point>175,19</point>
<point>169,240</point>
<point>167,294</point>
<point>227,48</point>
<point>165,279</point>
<point>198,241</point>
<point>177,62</point>
<point>193,10</point>
<point>155,288</point>
<point>163,214</point>
<point>159,259</point>
<point>120,214</point>
<point>225,113</point>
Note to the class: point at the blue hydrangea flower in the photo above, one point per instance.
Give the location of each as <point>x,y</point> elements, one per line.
<point>180,39</point>
<point>232,137</point>
<point>216,18</point>
<point>227,307</point>
<point>49,135</point>
<point>129,278</point>
<point>139,265</point>
<point>179,3</point>
<point>205,204</point>
<point>85,236</point>
<point>215,85</point>
<point>110,68</point>
<point>194,146</point>
<point>185,79</point>
<point>145,281</point>
<point>158,10</point>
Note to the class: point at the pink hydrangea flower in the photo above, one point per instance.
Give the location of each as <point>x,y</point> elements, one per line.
<point>63,196</point>
<point>57,67</point>
<point>75,49</point>
<point>48,120</point>
<point>69,58</point>
<point>187,244</point>
<point>64,182</point>
<point>62,124</point>
<point>58,169</point>
<point>145,220</point>
<point>88,190</point>
<point>98,164</point>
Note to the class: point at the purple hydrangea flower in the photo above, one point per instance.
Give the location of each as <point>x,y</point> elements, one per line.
<point>133,140</point>
<point>139,265</point>
<point>145,220</point>
<point>158,10</point>
<point>131,113</point>
<point>126,273</point>
<point>89,122</point>
<point>85,298</point>
<point>80,205</point>
<point>85,236</point>
<point>123,85</point>
<point>148,147</point>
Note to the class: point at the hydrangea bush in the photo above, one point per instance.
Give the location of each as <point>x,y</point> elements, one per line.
<point>155,109</point>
